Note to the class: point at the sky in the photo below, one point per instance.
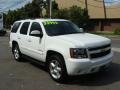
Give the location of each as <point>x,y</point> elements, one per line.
<point>5,5</point>
<point>113,2</point>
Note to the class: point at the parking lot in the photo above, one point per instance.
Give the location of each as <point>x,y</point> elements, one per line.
<point>29,76</point>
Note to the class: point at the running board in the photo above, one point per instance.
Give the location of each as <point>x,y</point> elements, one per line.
<point>34,60</point>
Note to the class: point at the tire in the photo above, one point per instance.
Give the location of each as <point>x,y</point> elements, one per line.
<point>17,53</point>
<point>57,69</point>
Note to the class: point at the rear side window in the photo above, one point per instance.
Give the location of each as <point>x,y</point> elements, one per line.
<point>24,28</point>
<point>15,27</point>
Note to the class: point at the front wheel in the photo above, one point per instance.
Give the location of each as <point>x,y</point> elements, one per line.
<point>57,68</point>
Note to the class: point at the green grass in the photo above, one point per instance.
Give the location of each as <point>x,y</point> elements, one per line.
<point>105,33</point>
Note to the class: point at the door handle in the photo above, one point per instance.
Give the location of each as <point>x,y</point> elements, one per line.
<point>19,38</point>
<point>29,41</point>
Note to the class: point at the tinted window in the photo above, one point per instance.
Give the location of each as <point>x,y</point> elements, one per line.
<point>15,27</point>
<point>54,28</point>
<point>24,28</point>
<point>35,26</point>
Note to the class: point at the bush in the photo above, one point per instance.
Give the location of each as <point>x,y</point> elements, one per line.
<point>62,13</point>
<point>76,14</point>
<point>79,16</point>
<point>117,31</point>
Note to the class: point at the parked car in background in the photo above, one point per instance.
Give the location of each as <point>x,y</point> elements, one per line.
<point>2,31</point>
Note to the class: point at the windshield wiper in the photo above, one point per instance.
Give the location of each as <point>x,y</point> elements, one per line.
<point>74,32</point>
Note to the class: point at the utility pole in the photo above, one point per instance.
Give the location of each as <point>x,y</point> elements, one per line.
<point>86,5</point>
<point>104,7</point>
<point>50,8</point>
<point>105,17</point>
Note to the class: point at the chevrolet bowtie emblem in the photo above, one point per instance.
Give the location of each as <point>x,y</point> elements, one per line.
<point>103,50</point>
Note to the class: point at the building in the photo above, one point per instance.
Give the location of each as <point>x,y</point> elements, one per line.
<point>103,17</point>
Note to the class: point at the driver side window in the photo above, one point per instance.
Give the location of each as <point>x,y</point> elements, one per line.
<point>35,26</point>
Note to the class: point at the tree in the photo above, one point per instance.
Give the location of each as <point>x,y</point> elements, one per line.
<point>76,14</point>
<point>34,10</point>
<point>79,16</point>
<point>62,13</point>
<point>30,10</point>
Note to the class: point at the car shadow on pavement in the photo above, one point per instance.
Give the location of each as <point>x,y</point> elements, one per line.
<point>98,79</point>
<point>39,66</point>
<point>35,64</point>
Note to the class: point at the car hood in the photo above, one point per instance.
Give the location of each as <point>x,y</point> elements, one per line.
<point>84,39</point>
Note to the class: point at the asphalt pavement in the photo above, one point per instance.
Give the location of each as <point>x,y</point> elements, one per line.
<point>29,76</point>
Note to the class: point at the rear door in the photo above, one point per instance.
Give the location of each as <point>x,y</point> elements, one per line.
<point>22,37</point>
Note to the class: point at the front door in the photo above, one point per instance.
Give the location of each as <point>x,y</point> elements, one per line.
<point>36,43</point>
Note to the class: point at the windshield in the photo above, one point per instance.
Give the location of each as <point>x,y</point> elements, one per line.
<point>54,28</point>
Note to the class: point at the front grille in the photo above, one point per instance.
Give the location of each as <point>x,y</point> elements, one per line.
<point>101,51</point>
<point>100,47</point>
<point>101,54</point>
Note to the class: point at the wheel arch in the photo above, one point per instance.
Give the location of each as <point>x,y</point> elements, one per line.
<point>52,52</point>
<point>13,44</point>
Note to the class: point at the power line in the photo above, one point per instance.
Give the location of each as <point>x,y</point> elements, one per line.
<point>102,1</point>
<point>90,4</point>
<point>107,1</point>
<point>99,6</point>
<point>113,7</point>
<point>116,7</point>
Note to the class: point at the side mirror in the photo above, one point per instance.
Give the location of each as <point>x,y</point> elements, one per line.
<point>36,33</point>
<point>81,29</point>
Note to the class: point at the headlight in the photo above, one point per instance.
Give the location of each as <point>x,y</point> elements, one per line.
<point>78,53</point>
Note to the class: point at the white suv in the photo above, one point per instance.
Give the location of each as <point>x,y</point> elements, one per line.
<point>62,46</point>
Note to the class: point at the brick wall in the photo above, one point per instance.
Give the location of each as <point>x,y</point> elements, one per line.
<point>104,24</point>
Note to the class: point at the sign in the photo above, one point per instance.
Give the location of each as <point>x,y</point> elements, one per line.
<point>50,23</point>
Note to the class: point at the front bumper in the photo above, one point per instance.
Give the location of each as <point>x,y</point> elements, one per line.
<point>86,66</point>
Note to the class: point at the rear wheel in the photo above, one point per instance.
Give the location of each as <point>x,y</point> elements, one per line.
<point>57,69</point>
<point>16,53</point>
